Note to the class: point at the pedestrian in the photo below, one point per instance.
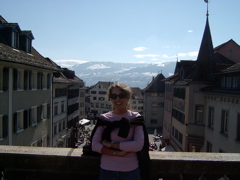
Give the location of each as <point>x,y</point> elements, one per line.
<point>119,141</point>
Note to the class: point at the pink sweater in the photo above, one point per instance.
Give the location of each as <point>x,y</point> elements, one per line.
<point>133,143</point>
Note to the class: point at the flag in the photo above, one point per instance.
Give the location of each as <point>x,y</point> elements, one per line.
<point>206,1</point>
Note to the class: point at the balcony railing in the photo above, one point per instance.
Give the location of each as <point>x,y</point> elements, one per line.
<point>19,162</point>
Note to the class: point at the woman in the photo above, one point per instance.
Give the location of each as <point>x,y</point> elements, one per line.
<point>118,152</point>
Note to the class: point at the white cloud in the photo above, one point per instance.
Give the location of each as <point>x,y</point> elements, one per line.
<point>149,74</point>
<point>168,57</point>
<point>71,61</point>
<point>139,49</point>
<point>98,66</point>
<point>193,53</point>
<point>190,31</point>
<point>146,55</point>
<point>182,54</point>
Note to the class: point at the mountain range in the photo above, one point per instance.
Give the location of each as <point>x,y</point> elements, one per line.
<point>132,74</point>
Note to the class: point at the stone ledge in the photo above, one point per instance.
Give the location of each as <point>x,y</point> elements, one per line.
<point>64,162</point>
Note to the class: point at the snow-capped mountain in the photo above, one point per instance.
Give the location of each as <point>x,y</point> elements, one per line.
<point>132,74</point>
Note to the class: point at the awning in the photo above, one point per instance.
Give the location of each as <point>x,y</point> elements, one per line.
<point>84,122</point>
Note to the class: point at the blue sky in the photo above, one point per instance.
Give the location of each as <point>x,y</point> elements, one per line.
<point>150,31</point>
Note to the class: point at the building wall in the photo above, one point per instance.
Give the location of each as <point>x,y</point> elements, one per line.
<point>153,109</point>
<point>99,101</point>
<point>59,124</point>
<point>231,50</point>
<point>219,141</point>
<point>19,104</point>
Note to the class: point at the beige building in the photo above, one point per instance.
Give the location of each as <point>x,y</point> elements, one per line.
<point>25,89</point>
<point>99,103</point>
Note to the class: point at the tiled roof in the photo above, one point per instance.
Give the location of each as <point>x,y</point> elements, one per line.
<point>35,59</point>
<point>136,93</point>
<point>157,85</point>
<point>223,44</point>
<point>105,84</point>
<point>234,68</point>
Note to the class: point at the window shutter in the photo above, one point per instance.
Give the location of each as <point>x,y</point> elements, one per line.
<point>38,80</point>
<point>5,79</point>
<point>25,80</point>
<point>48,110</point>
<point>222,122</point>
<point>30,117</point>
<point>15,122</point>
<point>25,120</point>
<point>30,80</point>
<point>48,81</point>
<point>38,114</point>
<point>5,126</point>
<point>15,77</point>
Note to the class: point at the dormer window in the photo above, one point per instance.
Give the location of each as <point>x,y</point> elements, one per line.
<point>15,39</point>
<point>26,38</point>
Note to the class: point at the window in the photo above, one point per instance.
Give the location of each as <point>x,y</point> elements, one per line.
<point>62,106</point>
<point>48,110</point>
<point>15,39</point>
<point>211,117</point>
<point>60,127</point>
<point>63,124</point>
<point>101,98</point>
<point>26,80</point>
<point>55,109</point>
<point>155,104</point>
<point>40,80</point>
<point>179,93</point>
<point>39,113</point>
<point>102,92</point>
<point>209,147</point>
<point>33,116</point>
<point>3,126</point>
<point>18,121</point>
<point>45,111</point>
<point>28,45</point>
<point>48,81</point>
<point>60,92</point>
<point>5,79</point>
<point>238,127</point>
<point>17,79</point>
<point>31,80</point>
<point>93,92</point>
<point>224,122</point>
<point>199,114</point>
<point>55,129</point>
<point>154,94</point>
<point>153,121</point>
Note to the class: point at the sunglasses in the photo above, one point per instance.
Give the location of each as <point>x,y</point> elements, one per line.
<point>114,96</point>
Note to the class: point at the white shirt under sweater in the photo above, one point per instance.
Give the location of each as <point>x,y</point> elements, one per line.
<point>133,143</point>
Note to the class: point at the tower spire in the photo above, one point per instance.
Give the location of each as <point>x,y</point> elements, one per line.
<point>206,1</point>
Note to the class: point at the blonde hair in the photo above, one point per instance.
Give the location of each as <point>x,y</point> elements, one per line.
<point>124,89</point>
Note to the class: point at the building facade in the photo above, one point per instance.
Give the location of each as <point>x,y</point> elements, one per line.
<point>205,100</point>
<point>154,102</point>
<point>25,89</point>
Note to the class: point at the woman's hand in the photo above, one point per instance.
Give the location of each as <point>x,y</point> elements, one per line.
<point>106,143</point>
